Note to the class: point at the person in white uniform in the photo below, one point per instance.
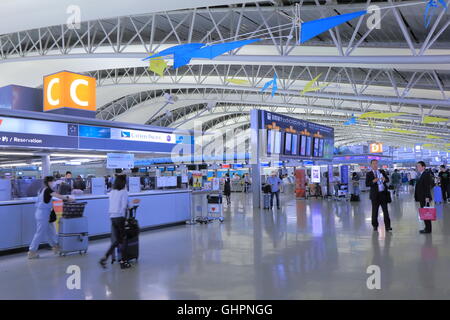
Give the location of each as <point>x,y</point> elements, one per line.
<point>45,228</point>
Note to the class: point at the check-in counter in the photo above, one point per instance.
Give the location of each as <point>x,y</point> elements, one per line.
<point>157,208</point>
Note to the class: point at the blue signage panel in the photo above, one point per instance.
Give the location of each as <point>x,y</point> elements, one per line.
<point>53,134</point>
<point>344,174</point>
<point>124,145</point>
<point>94,132</point>
<point>37,140</point>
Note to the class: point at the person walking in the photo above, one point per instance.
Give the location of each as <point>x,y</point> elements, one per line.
<point>412,177</point>
<point>444,177</point>
<point>396,181</point>
<point>355,184</point>
<point>227,188</point>
<point>44,225</point>
<point>246,182</point>
<point>118,204</point>
<point>422,192</point>
<point>275,183</point>
<point>377,180</point>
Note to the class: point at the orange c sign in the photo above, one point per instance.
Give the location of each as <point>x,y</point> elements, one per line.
<point>376,148</point>
<point>69,90</point>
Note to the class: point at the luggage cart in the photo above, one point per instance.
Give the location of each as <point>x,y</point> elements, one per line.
<point>73,209</point>
<point>341,192</point>
<point>73,229</point>
<point>214,209</point>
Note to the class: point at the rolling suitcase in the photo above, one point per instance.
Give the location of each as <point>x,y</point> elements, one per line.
<point>437,194</point>
<point>129,249</point>
<point>354,197</point>
<point>266,200</point>
<point>73,235</point>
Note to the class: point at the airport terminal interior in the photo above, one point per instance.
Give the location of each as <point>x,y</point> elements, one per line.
<point>224,150</point>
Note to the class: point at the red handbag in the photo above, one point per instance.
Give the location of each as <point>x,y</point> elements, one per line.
<point>427,213</point>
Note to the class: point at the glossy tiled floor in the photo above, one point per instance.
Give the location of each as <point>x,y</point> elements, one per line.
<point>311,249</point>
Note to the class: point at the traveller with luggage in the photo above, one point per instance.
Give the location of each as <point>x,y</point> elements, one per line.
<point>227,188</point>
<point>275,183</point>
<point>444,177</point>
<point>45,218</point>
<point>422,192</point>
<point>355,184</point>
<point>118,205</point>
<point>396,181</point>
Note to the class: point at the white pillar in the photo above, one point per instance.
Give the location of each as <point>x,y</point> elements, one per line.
<point>45,165</point>
<point>255,158</point>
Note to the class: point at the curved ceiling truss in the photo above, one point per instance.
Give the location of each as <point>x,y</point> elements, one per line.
<point>151,32</point>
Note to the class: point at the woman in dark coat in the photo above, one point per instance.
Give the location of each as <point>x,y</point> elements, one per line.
<point>227,188</point>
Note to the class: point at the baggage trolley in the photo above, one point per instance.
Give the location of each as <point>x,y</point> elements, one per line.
<point>214,209</point>
<point>73,235</point>
<point>73,209</point>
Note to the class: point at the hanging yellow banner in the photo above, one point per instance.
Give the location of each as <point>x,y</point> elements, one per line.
<point>380,115</point>
<point>429,119</point>
<point>238,81</point>
<point>400,131</point>
<point>158,65</point>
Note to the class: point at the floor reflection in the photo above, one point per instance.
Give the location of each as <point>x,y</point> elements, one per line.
<point>310,249</point>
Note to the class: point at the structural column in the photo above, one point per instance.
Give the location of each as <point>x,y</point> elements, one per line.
<point>45,165</point>
<point>255,157</point>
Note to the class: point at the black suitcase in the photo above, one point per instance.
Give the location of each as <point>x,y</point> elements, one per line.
<point>129,250</point>
<point>354,197</point>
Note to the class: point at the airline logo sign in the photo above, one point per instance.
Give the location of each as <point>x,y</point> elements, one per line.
<point>146,136</point>
<point>376,148</point>
<point>69,90</point>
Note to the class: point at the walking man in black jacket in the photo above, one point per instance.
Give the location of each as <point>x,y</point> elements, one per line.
<point>422,192</point>
<point>377,180</point>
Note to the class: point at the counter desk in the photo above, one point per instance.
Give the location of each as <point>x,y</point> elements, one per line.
<point>157,208</point>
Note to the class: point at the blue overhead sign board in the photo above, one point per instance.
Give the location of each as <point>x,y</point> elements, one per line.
<point>51,134</point>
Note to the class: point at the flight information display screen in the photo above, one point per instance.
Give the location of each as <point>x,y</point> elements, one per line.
<point>294,147</point>
<point>321,141</point>
<point>308,146</point>
<point>277,147</point>
<point>273,142</point>
<point>288,143</point>
<point>292,138</point>
<point>316,147</point>
<point>303,146</point>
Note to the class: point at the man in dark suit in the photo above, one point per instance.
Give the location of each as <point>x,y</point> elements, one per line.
<point>422,192</point>
<point>377,180</point>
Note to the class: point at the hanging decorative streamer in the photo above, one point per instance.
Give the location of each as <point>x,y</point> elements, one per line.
<point>380,115</point>
<point>237,81</point>
<point>430,136</point>
<point>309,86</point>
<point>272,83</point>
<point>429,119</point>
<point>313,28</point>
<point>351,121</point>
<point>158,66</point>
<point>430,10</point>
<point>183,53</point>
<point>400,131</point>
